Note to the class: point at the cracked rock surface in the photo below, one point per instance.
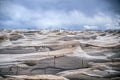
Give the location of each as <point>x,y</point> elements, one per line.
<point>59,55</point>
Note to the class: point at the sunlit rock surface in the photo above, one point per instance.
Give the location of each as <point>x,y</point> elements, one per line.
<point>69,54</point>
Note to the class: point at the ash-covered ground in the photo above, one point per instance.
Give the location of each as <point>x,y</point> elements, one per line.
<point>59,54</point>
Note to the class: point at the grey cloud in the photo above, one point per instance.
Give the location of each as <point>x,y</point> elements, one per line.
<point>52,18</point>
<point>55,13</point>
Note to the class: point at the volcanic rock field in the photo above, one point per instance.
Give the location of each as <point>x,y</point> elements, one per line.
<point>59,54</point>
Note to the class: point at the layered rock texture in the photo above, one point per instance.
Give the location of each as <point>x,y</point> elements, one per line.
<point>59,55</point>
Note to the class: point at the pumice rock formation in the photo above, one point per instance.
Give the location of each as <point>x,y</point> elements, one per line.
<point>59,55</point>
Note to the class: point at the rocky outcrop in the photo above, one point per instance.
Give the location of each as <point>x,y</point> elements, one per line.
<point>76,55</point>
<point>34,77</point>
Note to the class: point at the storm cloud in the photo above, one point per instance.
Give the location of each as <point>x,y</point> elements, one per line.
<point>56,14</point>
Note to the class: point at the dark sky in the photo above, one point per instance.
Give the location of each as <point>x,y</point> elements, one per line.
<point>68,14</point>
<point>114,5</point>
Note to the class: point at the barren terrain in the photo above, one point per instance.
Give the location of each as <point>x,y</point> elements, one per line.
<point>59,55</point>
